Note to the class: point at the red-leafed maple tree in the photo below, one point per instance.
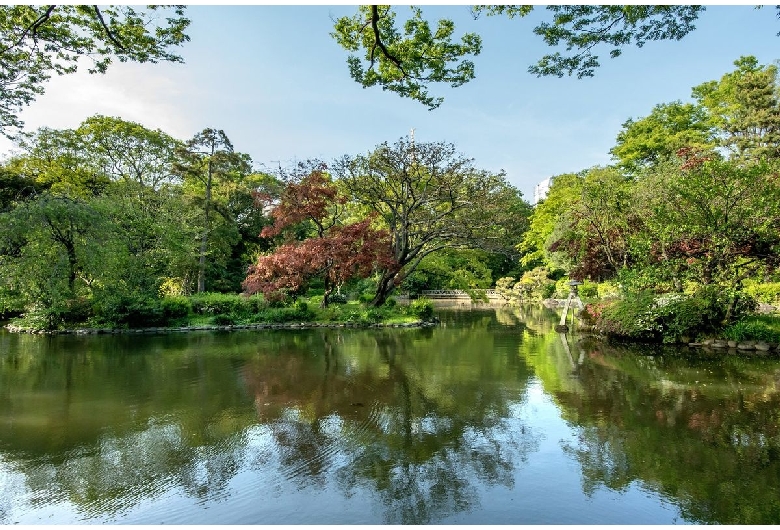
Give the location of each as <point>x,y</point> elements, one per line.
<point>336,251</point>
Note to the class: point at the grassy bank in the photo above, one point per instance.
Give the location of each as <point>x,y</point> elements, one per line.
<point>216,309</point>
<point>755,327</point>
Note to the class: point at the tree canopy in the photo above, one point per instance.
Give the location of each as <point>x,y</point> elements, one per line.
<point>692,202</point>
<point>334,248</point>
<point>430,197</point>
<point>208,162</point>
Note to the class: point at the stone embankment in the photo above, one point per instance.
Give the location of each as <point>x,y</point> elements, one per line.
<point>747,345</point>
<point>286,325</point>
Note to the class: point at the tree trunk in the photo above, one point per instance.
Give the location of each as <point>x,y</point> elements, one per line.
<point>72,264</point>
<point>205,237</point>
<point>384,289</point>
<point>327,293</point>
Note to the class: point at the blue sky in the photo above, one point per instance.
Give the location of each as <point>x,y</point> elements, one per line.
<point>274,80</point>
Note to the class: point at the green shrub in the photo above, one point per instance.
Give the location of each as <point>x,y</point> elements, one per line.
<point>77,311</point>
<point>41,316</point>
<point>370,315</point>
<point>504,287</point>
<point>143,313</point>
<point>223,320</point>
<point>287,314</point>
<point>365,288</point>
<point>548,290</point>
<point>680,315</point>
<point>391,303</point>
<point>561,288</point>
<point>373,315</point>
<point>534,285</point>
<point>278,303</point>
<point>608,290</point>
<point>218,304</point>
<point>338,298</point>
<point>630,317</point>
<point>128,310</point>
<point>255,303</point>
<point>11,304</point>
<point>588,289</point>
<point>422,308</point>
<point>669,317</point>
<point>174,307</point>
<point>366,297</point>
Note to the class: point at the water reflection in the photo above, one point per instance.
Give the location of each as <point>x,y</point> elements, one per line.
<point>103,425</point>
<point>383,426</point>
<point>701,429</point>
<point>418,437</point>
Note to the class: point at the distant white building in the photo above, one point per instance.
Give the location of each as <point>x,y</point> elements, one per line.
<point>541,189</point>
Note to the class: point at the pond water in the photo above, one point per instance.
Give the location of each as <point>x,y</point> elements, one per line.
<point>491,417</point>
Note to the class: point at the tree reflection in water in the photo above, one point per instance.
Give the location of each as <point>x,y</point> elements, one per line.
<point>702,429</point>
<point>423,425</point>
<point>421,441</point>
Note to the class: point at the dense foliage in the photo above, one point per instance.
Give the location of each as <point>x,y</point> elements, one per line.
<point>430,198</point>
<point>100,218</point>
<point>691,209</point>
<point>115,224</point>
<point>111,224</point>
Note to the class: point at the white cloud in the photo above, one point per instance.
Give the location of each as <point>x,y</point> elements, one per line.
<point>150,94</point>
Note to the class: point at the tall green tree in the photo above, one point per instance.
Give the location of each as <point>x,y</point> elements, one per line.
<point>596,229</point>
<point>16,187</point>
<point>127,151</point>
<point>38,41</point>
<point>52,249</point>
<point>744,106</point>
<point>429,198</point>
<point>130,168</point>
<point>206,162</point>
<point>60,160</point>
<point>248,220</point>
<point>451,269</point>
<point>564,191</point>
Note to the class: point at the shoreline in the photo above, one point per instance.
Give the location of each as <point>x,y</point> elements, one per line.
<point>233,327</point>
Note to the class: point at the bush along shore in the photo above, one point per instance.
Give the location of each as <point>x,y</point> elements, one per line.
<point>221,312</point>
<point>707,318</point>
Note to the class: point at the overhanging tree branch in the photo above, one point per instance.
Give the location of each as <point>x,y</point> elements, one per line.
<point>32,27</point>
<point>378,41</point>
<point>109,34</point>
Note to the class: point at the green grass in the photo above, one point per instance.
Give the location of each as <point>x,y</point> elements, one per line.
<point>755,327</point>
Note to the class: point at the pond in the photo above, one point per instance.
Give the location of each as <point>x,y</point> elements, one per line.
<point>489,418</point>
